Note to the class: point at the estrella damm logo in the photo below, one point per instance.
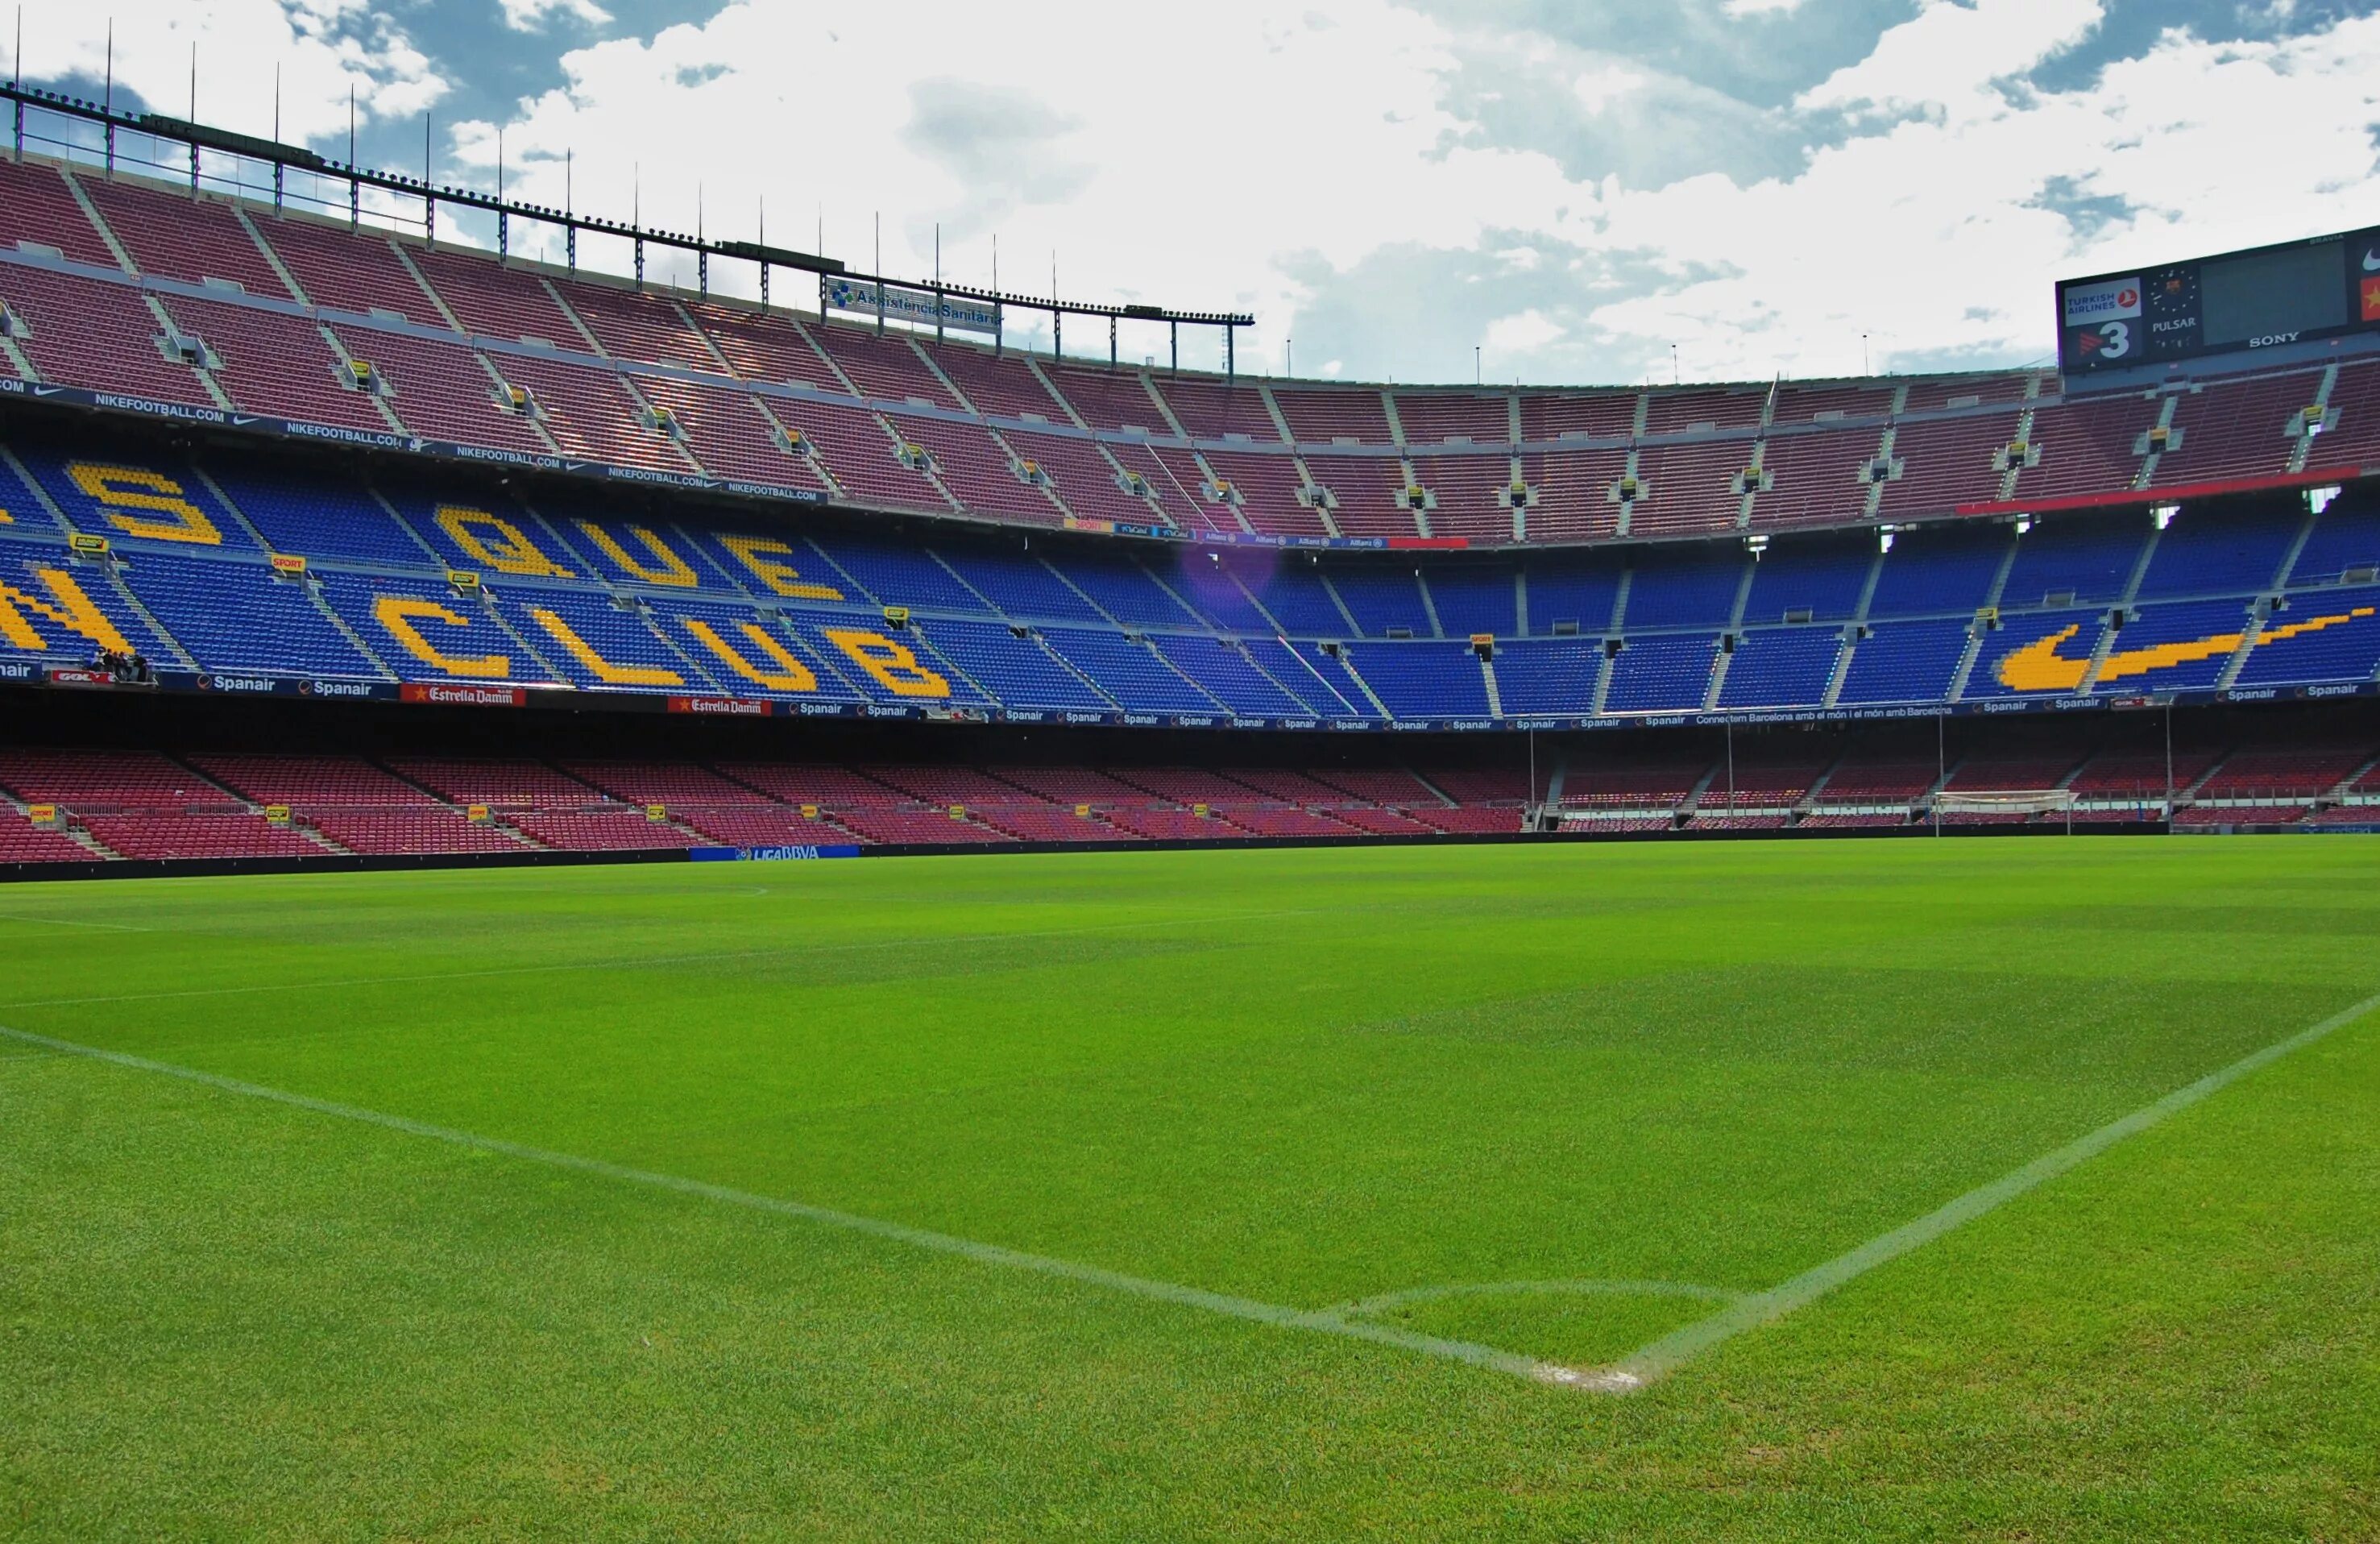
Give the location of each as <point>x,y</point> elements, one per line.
<point>2040,665</point>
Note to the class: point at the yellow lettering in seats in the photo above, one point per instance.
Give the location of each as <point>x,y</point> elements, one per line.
<point>673,570</point>
<point>759,554</point>
<point>73,610</point>
<point>791,674</point>
<point>399,612</point>
<point>119,490</point>
<point>497,542</point>
<point>892,664</point>
<point>597,665</point>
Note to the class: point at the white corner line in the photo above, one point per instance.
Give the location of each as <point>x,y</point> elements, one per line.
<point>1660,1357</point>
<point>1322,1321</point>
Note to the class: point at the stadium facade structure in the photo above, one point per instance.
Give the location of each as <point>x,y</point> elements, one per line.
<point>276,456</point>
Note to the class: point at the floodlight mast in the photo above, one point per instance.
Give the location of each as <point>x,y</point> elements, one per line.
<point>27,100</point>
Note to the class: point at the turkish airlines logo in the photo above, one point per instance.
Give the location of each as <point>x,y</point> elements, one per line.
<point>2112,300</point>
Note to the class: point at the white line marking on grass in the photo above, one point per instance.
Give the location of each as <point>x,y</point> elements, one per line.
<point>1324,1321</point>
<point>635,962</point>
<point>1672,1351</point>
<point>1579,1287</point>
<point>65,922</point>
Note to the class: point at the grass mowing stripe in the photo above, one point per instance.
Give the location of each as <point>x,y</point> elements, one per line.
<point>633,963</point>
<point>1325,1322</point>
<point>1672,1351</point>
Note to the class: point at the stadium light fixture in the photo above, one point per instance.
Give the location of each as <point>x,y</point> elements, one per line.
<point>1884,538</point>
<point>2164,513</point>
<point>2024,524</point>
<point>2318,498</point>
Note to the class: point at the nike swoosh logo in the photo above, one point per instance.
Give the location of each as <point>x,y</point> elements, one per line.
<point>2372,262</point>
<point>2038,666</point>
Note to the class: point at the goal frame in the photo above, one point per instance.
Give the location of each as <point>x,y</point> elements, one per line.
<point>2023,801</point>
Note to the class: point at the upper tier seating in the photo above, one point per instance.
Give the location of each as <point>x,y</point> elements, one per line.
<point>1824,449</point>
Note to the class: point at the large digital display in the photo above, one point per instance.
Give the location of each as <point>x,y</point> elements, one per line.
<point>2261,298</point>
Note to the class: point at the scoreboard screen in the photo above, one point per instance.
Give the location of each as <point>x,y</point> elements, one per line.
<point>2292,293</point>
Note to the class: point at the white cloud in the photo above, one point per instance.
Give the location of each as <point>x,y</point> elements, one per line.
<point>1939,234</point>
<point>1282,162</point>
<point>1739,9</point>
<point>318,47</point>
<point>531,16</point>
<point>1951,53</point>
<point>1522,332</point>
<point>1163,187</point>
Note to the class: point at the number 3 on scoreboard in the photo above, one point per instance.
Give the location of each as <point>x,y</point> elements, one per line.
<point>2115,340</point>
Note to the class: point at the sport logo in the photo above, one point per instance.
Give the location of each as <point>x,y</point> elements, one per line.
<point>2111,300</point>
<point>2038,666</point>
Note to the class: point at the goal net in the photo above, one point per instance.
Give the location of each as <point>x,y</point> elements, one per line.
<point>2005,801</point>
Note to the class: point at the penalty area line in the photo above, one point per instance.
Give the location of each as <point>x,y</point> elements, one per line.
<point>1660,1357</point>
<point>1321,1321</point>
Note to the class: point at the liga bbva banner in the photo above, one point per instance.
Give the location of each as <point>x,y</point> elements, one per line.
<point>916,307</point>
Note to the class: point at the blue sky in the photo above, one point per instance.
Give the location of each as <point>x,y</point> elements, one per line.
<point>1547,190</point>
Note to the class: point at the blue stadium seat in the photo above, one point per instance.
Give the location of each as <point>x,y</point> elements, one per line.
<point>1293,594</point>
<point>2218,551</point>
<point>425,632</point>
<point>1226,672</point>
<point>2031,630</point>
<point>1474,598</point>
<point>319,517</point>
<point>1694,588</point>
<point>1019,671</point>
<point>1578,590</point>
<point>52,594</point>
<point>2089,558</point>
<point>1661,674</point>
<point>2345,539</point>
<point>1550,675</point>
<point>1822,576</point>
<point>1382,598</point>
<point>1124,590</point>
<point>2168,648</point>
<point>2346,649</point>
<point>895,575</point>
<point>1423,680</point>
<point>151,500</point>
<point>479,531</point>
<point>746,652</point>
<point>1020,584</point>
<point>597,646</point>
<point>1297,670</point>
<point>1940,571</point>
<point>1781,667</point>
<point>1131,673</point>
<point>1906,662</point>
<point>235,616</point>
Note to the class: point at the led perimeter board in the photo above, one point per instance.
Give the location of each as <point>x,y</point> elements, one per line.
<point>2259,298</point>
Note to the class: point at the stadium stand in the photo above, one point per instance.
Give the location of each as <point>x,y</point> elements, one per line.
<point>2019,560</point>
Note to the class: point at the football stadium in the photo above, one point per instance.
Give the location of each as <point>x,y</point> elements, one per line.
<point>793,902</point>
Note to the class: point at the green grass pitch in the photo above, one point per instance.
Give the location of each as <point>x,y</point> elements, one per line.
<point>1558,1102</point>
